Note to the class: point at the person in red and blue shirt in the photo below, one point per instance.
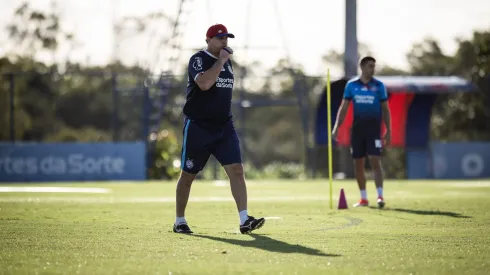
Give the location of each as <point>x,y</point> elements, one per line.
<point>370,103</point>
<point>208,127</point>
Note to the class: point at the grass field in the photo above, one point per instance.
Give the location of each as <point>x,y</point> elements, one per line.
<point>427,227</point>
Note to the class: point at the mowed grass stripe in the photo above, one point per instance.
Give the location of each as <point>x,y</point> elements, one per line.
<point>428,227</point>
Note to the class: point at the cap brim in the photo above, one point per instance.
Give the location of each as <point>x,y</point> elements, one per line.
<point>230,35</point>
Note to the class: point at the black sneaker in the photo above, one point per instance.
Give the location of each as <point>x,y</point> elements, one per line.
<point>251,224</point>
<point>182,228</point>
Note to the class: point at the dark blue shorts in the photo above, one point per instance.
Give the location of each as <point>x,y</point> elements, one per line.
<point>201,140</point>
<point>366,138</point>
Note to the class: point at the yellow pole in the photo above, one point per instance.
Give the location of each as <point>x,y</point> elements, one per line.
<point>329,123</point>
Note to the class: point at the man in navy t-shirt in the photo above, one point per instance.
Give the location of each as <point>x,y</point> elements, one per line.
<point>371,108</point>
<point>208,127</point>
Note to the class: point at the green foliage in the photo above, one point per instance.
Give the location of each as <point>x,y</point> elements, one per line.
<point>33,30</point>
<point>427,58</point>
<point>273,170</point>
<point>458,116</point>
<point>282,131</point>
<point>394,161</point>
<point>283,171</point>
<point>164,155</point>
<point>51,105</point>
<point>87,134</point>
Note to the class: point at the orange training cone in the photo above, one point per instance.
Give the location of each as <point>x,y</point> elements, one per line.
<point>342,200</point>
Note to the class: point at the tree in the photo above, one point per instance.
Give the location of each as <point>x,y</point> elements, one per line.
<point>458,116</point>
<point>427,58</point>
<point>33,32</point>
<point>336,60</point>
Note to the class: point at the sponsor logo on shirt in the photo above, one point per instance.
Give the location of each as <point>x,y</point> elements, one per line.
<point>224,82</point>
<point>364,99</point>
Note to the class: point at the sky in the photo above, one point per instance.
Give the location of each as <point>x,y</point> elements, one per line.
<point>306,29</point>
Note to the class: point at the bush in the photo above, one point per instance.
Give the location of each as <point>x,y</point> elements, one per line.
<point>278,170</point>
<point>88,134</point>
<point>163,156</point>
<point>274,170</point>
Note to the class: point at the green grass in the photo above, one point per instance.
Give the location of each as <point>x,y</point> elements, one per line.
<point>428,227</point>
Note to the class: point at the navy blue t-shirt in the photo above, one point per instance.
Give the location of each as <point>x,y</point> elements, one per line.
<point>214,105</point>
<point>366,98</point>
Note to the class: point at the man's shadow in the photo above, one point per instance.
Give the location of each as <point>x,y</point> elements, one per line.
<point>425,212</point>
<point>269,244</point>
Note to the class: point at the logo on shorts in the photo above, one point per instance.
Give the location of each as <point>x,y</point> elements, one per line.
<point>189,164</point>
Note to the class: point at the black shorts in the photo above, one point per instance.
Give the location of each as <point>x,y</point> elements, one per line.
<point>200,141</point>
<point>366,138</point>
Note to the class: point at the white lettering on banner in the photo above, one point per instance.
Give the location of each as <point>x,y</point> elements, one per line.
<point>106,164</point>
<point>364,99</point>
<point>52,165</point>
<point>18,165</point>
<point>73,164</point>
<point>472,165</point>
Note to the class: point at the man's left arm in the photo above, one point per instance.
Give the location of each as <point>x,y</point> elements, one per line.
<point>386,115</point>
<point>385,109</point>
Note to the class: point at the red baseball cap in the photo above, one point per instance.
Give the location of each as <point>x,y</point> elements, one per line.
<point>218,30</point>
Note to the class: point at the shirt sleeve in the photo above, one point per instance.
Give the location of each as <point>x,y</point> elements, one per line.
<point>195,67</point>
<point>383,94</point>
<point>348,91</point>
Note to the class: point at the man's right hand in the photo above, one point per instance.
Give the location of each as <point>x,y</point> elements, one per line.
<point>225,54</point>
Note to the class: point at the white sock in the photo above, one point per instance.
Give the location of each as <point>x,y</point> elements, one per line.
<point>363,194</point>
<point>180,220</point>
<point>243,216</point>
<point>380,191</point>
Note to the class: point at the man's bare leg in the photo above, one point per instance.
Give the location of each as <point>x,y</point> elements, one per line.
<point>378,177</point>
<point>181,198</point>
<point>361,180</point>
<point>237,184</point>
<point>239,191</point>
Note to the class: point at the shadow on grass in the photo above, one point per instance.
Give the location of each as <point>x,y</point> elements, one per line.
<point>269,244</point>
<point>425,212</point>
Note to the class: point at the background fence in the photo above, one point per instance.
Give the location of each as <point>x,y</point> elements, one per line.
<point>139,118</point>
<point>113,108</point>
